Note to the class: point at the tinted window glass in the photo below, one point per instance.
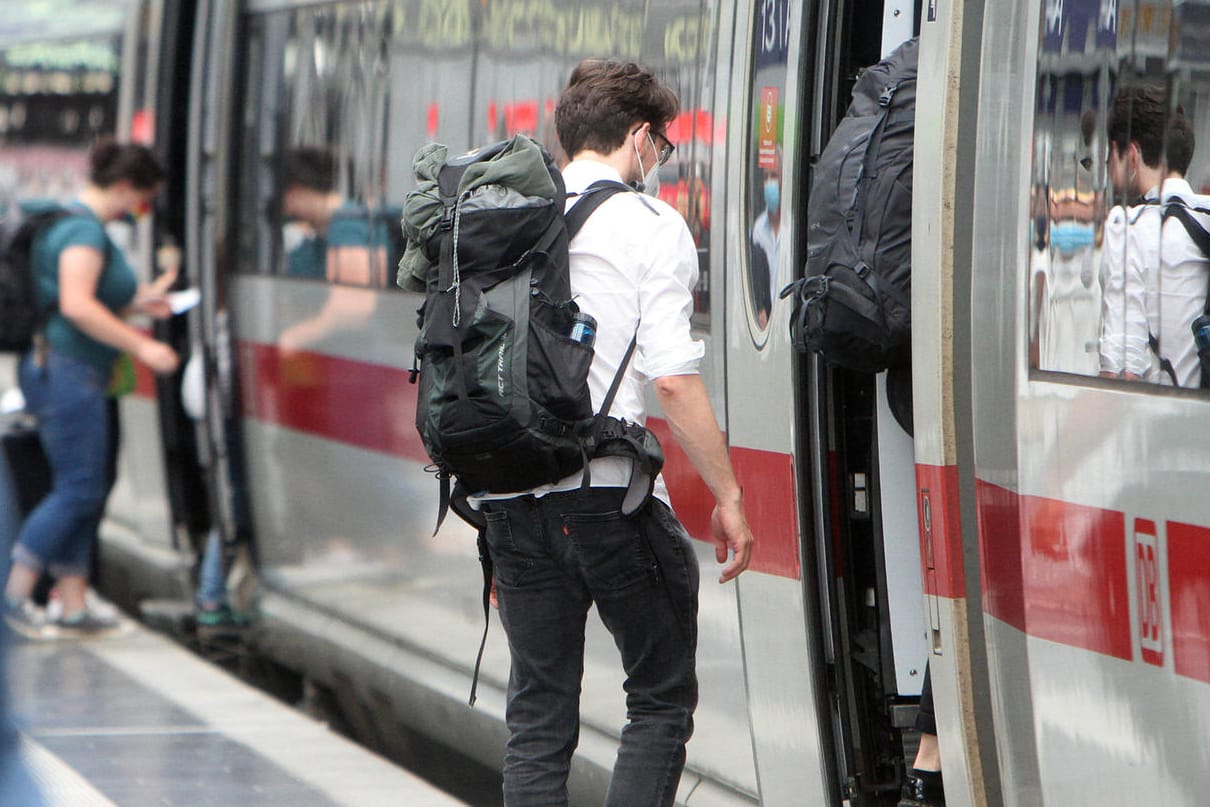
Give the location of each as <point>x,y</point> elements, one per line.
<point>1116,281</point>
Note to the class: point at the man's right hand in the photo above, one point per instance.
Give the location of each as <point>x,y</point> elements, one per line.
<point>732,536</point>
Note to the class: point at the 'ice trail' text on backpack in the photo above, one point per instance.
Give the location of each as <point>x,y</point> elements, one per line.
<point>20,316</point>
<point>853,306</point>
<point>503,404</point>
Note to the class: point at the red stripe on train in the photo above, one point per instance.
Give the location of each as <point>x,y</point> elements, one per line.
<point>1189,598</point>
<point>366,405</point>
<point>1055,570</point>
<point>1051,569</point>
<point>373,406</point>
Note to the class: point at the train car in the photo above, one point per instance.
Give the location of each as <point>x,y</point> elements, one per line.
<point>1040,542</point>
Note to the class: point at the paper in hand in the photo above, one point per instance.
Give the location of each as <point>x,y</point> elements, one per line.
<point>182,301</point>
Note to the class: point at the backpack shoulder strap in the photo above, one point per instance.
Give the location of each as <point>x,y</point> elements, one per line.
<point>1178,210</point>
<point>589,200</point>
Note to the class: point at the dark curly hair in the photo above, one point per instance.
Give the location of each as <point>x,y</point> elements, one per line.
<point>112,162</point>
<point>311,167</point>
<point>1137,115</point>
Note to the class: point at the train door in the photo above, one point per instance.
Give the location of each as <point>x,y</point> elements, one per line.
<point>770,73</point>
<point>156,502</point>
<point>866,572</point>
<point>206,226</point>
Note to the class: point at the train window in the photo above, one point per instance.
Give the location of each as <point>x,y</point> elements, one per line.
<point>338,99</point>
<point>764,180</point>
<point>318,78</point>
<point>1116,280</point>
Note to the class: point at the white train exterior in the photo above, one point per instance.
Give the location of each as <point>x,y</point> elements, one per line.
<point>1042,542</point>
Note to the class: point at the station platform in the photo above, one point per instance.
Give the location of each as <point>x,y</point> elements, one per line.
<point>135,720</point>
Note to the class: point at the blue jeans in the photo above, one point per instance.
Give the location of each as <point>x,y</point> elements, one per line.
<point>554,557</point>
<point>68,398</point>
<point>211,581</point>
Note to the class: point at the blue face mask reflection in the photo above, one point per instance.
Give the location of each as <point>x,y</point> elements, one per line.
<point>1070,237</point>
<point>773,196</point>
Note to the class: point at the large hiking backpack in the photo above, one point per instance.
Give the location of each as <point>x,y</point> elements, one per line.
<point>853,306</point>
<point>20,316</point>
<point>503,404</point>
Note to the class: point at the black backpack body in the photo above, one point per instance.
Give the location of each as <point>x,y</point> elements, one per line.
<point>20,316</point>
<point>503,404</point>
<point>853,305</point>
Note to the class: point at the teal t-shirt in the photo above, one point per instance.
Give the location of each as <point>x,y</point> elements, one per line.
<point>351,225</point>
<point>308,259</point>
<point>116,285</point>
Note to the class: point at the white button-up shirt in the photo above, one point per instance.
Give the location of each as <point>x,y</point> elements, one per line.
<point>1178,293</point>
<point>633,269</point>
<point>1156,279</point>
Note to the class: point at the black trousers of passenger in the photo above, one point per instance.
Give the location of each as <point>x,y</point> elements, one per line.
<point>926,720</point>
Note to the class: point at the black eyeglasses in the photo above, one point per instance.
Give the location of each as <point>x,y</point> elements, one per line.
<point>666,151</point>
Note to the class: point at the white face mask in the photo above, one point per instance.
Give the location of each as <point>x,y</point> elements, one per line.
<point>650,183</point>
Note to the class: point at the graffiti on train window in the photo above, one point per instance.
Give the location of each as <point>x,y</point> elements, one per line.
<point>1118,261</point>
<point>764,277</point>
<point>350,92</point>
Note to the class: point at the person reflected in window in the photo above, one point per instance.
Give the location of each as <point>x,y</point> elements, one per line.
<point>1177,294</point>
<point>340,242</point>
<point>1154,275</point>
<point>766,239</point>
<point>333,238</point>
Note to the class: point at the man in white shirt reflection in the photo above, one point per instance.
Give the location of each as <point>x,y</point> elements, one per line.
<point>1153,276</point>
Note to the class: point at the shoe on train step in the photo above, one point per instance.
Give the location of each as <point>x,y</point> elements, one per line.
<point>224,616</point>
<point>88,623</point>
<point>923,789</point>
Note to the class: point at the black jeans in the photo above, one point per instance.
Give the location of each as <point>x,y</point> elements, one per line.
<point>554,557</point>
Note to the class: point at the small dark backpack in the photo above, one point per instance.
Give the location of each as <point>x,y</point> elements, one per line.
<point>20,316</point>
<point>853,306</point>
